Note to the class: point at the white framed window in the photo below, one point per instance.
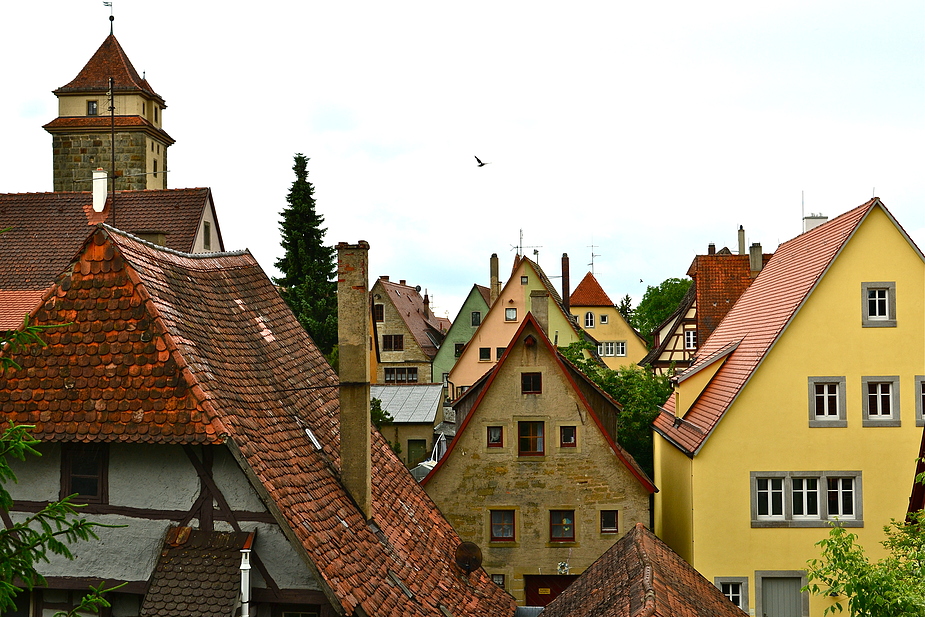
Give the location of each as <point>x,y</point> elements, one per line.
<point>510,314</point>
<point>619,348</point>
<point>920,400</point>
<point>796,498</point>
<point>690,339</point>
<point>600,349</point>
<point>881,400</point>
<point>609,348</point>
<point>604,319</point>
<point>589,319</point>
<point>735,588</point>
<point>827,402</point>
<point>878,304</point>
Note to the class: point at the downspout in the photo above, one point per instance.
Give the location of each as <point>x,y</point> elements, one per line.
<point>246,576</point>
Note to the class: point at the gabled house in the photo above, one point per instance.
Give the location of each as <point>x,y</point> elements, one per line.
<point>409,334</point>
<point>802,409</point>
<point>474,309</point>
<point>719,278</point>
<point>535,475</point>
<point>181,397</point>
<point>641,575</point>
<point>416,411</point>
<point>527,290</point>
<point>618,343</point>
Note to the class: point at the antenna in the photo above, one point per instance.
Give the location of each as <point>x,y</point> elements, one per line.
<point>593,246</point>
<point>520,246</point>
<point>468,557</point>
<point>112,138</point>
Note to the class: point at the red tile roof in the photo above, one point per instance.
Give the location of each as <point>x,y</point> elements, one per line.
<point>756,321</point>
<point>641,576</point>
<point>47,229</point>
<point>174,348</point>
<point>15,305</point>
<point>428,329</point>
<point>109,61</point>
<point>104,123</point>
<point>589,293</point>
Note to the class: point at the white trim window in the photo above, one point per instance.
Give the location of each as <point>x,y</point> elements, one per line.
<point>609,348</point>
<point>604,319</point>
<point>881,400</point>
<point>827,402</point>
<point>735,588</point>
<point>510,314</point>
<point>589,319</point>
<point>690,339</point>
<point>878,304</point>
<point>796,499</point>
<point>620,348</point>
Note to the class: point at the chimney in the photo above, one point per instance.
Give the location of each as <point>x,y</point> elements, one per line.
<point>565,282</point>
<point>495,282</point>
<point>403,282</point>
<point>353,343</point>
<point>539,306</point>
<point>813,220</point>
<point>755,259</point>
<point>741,240</point>
<point>426,306</point>
<point>385,278</point>
<point>99,189</point>
<point>711,249</point>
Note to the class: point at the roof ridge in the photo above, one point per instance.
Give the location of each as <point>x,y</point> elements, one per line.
<point>164,249</point>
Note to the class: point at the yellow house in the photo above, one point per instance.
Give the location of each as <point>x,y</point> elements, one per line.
<point>528,290</point>
<point>618,343</point>
<point>804,407</point>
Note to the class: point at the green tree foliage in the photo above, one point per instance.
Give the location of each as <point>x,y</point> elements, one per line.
<point>625,308</point>
<point>381,417</point>
<point>657,304</point>
<point>891,587</point>
<point>639,391</point>
<point>308,265</point>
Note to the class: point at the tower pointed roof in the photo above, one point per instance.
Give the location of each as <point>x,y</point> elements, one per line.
<point>589,293</point>
<point>109,60</point>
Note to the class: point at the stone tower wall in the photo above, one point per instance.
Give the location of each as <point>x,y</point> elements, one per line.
<point>76,155</point>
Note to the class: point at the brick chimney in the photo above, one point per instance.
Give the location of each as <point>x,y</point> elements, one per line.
<point>565,283</point>
<point>353,342</point>
<point>755,259</point>
<point>99,189</point>
<point>495,282</point>
<point>539,306</point>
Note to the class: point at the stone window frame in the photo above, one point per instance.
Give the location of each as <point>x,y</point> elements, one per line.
<point>841,419</point>
<point>878,322</point>
<point>894,419</point>
<point>608,529</point>
<point>742,581</point>
<point>488,434</point>
<point>787,519</point>
<point>492,539</point>
<point>558,520</point>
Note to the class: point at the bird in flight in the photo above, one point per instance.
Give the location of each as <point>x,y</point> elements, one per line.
<point>479,161</point>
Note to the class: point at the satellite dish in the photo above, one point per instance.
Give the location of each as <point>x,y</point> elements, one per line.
<point>468,557</point>
<point>417,288</point>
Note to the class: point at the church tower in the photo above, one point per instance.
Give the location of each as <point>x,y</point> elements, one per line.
<point>82,133</point>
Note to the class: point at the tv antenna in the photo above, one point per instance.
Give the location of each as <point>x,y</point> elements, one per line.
<point>593,246</point>
<point>520,245</point>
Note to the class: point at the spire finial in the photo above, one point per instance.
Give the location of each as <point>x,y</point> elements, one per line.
<point>111,18</point>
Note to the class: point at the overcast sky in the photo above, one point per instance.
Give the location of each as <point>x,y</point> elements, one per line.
<point>645,130</point>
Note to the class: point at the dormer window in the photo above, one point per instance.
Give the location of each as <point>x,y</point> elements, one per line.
<point>93,108</point>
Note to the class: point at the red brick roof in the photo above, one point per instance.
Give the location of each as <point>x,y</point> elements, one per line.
<point>589,293</point>
<point>47,229</point>
<point>104,123</point>
<point>640,575</point>
<point>167,347</point>
<point>109,61</point>
<point>719,280</point>
<point>756,321</point>
<point>428,329</point>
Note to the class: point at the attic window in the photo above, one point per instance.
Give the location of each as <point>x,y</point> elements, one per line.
<point>207,235</point>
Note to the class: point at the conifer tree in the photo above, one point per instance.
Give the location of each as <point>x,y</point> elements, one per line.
<point>308,265</point>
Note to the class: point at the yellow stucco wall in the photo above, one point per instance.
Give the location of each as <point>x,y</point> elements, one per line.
<point>767,428</point>
<point>616,330</point>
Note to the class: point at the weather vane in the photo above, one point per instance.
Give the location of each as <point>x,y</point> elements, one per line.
<point>111,17</point>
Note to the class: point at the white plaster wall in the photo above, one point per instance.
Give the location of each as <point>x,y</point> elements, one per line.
<point>151,476</point>
<point>233,484</point>
<point>38,477</point>
<point>127,553</point>
<point>281,559</point>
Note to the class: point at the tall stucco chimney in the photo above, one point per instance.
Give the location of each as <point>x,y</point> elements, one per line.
<point>741,240</point>
<point>566,285</point>
<point>353,344</point>
<point>99,189</point>
<point>755,259</point>
<point>539,306</point>
<point>494,283</point>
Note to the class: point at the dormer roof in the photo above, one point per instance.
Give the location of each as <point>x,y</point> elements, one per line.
<point>428,329</point>
<point>109,60</point>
